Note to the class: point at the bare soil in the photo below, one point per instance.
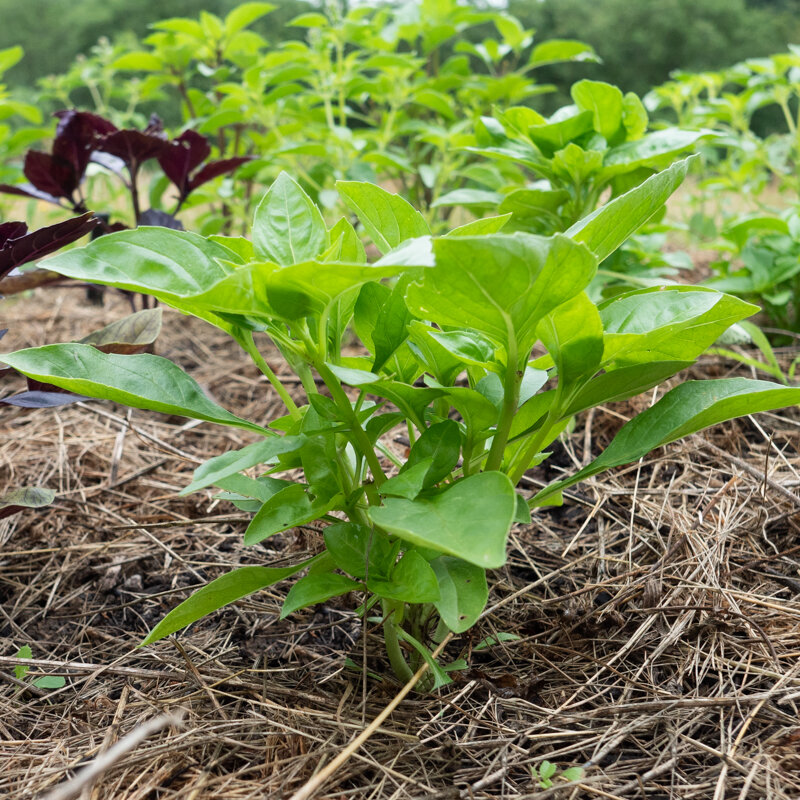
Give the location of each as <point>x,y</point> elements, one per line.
<point>658,616</point>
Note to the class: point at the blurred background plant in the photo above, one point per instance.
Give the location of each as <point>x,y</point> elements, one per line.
<point>465,109</point>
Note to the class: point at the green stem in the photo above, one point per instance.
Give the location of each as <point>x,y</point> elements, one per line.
<point>511,384</point>
<point>392,617</point>
<point>247,343</point>
<point>359,436</point>
<point>536,443</point>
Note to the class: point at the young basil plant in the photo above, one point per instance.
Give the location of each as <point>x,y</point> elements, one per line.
<point>447,326</point>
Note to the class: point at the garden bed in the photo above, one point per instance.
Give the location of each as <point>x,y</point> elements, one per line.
<point>658,616</point>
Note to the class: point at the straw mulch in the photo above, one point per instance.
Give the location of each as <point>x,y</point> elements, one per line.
<point>658,616</point>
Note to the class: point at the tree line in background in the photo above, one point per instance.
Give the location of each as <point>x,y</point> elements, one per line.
<point>640,42</point>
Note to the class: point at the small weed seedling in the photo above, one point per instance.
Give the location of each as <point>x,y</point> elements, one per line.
<point>547,772</point>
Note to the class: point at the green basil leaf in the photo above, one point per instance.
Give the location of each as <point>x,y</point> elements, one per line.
<point>388,218</point>
<point>470,519</point>
<point>140,381</point>
<point>288,228</point>
<point>463,592</point>
<point>221,592</point>
<point>412,581</point>
<point>315,589</point>
<point>290,507</point>
<point>500,285</point>
<point>222,466</point>
<point>686,409</point>
<point>604,230</point>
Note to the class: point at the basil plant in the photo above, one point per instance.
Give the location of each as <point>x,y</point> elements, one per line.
<point>447,327</point>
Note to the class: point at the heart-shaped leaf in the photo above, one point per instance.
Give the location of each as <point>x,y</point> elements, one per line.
<point>470,519</point>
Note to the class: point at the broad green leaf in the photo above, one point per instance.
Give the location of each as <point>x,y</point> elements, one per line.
<point>469,198</point>
<point>553,51</point>
<point>221,592</point>
<point>573,336</point>
<point>470,519</point>
<point>140,381</point>
<point>161,262</point>
<point>436,359</point>
<point>417,252</point>
<point>223,466</point>
<point>317,588</point>
<point>412,581</point>
<point>408,483</point>
<point>388,218</point>
<point>555,134</point>
<point>463,592</point>
<point>411,400</point>
<point>391,324</point>
<point>346,245</point>
<point>290,507</point>
<point>242,248</point>
<point>8,57</point>
<point>288,228</point>
<point>686,409</point>
<point>500,285</point>
<point>605,103</point>
<point>349,543</point>
<point>440,445</point>
<point>479,227</point>
<point>167,264</point>
<point>383,423</point>
<point>128,335</point>
<point>523,513</point>
<point>29,497</point>
<point>652,150</point>
<point>371,298</point>
<point>50,682</point>
<point>534,203</point>
<point>622,383</point>
<point>310,20</point>
<point>574,165</point>
<point>467,346</point>
<point>667,323</point>
<point>634,116</point>
<point>244,15</point>
<point>258,489</point>
<point>139,60</point>
<point>476,410</point>
<point>604,230</point>
<point>318,459</point>
<point>312,287</point>
<point>265,291</point>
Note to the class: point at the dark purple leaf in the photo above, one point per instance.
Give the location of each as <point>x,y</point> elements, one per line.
<point>182,156</point>
<point>216,168</point>
<point>39,399</point>
<point>29,190</point>
<point>50,174</point>
<point>76,137</point>
<point>135,147</point>
<point>161,218</point>
<point>2,334</point>
<point>11,230</point>
<point>38,244</point>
